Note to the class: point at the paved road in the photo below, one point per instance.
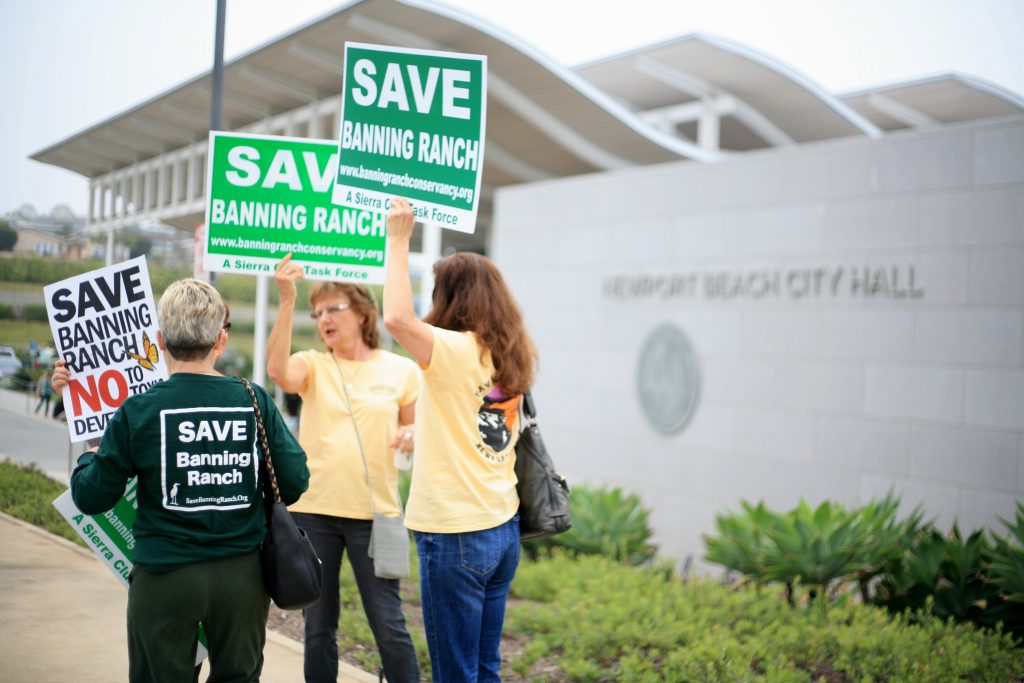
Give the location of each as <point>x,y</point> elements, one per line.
<point>30,438</point>
<point>20,298</point>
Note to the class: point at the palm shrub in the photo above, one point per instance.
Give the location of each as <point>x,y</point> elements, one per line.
<point>887,539</point>
<point>820,548</point>
<point>743,542</point>
<point>814,547</point>
<point>605,521</point>
<point>943,574</point>
<point>1004,564</point>
<point>907,567</point>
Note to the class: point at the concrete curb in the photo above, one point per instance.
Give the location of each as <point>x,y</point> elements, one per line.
<point>274,667</point>
<point>71,545</point>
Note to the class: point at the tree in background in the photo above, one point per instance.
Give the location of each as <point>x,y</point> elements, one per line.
<point>138,245</point>
<point>8,236</point>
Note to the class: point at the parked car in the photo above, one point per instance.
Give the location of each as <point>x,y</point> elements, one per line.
<point>9,362</point>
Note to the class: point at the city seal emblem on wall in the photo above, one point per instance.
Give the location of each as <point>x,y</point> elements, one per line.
<point>668,379</point>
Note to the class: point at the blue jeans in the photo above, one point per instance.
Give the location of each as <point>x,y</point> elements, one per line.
<point>382,602</point>
<point>464,582</point>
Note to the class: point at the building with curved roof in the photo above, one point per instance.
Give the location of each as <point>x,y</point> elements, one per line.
<point>697,97</point>
<point>742,286</point>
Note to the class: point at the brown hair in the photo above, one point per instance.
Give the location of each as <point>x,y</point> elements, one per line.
<point>470,295</point>
<point>361,301</point>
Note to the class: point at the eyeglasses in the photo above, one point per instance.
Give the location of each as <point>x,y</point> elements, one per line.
<point>330,310</point>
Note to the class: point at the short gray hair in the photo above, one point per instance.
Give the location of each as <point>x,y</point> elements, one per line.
<point>192,314</point>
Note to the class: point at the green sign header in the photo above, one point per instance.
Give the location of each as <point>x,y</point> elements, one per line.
<point>413,124</point>
<point>270,195</point>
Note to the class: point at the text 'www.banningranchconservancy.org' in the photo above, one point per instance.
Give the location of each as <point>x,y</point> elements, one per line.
<point>386,178</point>
<point>297,248</point>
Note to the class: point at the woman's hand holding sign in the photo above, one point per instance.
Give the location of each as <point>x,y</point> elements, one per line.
<point>400,219</point>
<point>285,276</point>
<point>61,376</point>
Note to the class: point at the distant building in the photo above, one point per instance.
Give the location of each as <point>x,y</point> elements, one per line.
<point>59,233</point>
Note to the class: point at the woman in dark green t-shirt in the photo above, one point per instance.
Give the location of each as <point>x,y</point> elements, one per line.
<point>191,441</point>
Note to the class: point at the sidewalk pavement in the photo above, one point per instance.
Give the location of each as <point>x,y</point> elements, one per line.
<point>62,613</point>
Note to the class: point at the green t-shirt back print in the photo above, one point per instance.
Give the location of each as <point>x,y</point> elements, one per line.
<point>208,458</point>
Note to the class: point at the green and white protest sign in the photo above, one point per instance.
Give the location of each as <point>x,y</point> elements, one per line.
<point>412,124</point>
<point>104,325</point>
<point>110,537</point>
<point>269,195</point>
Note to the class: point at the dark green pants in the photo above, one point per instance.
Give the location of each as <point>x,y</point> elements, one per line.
<point>164,612</point>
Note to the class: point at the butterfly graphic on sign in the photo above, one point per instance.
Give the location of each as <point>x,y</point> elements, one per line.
<point>150,356</point>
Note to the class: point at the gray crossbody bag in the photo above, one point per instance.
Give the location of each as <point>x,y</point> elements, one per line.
<point>389,539</point>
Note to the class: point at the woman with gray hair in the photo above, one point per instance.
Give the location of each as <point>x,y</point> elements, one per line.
<point>192,442</point>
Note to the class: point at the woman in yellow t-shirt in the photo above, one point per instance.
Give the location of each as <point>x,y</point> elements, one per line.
<point>337,511</point>
<point>477,361</point>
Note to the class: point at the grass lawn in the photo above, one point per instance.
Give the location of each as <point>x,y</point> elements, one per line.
<point>19,333</point>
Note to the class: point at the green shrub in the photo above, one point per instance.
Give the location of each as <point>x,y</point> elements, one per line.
<point>28,494</point>
<point>743,543</point>
<point>903,566</point>
<point>1005,571</point>
<point>6,312</point>
<point>600,620</point>
<point>35,312</point>
<point>25,378</point>
<point>607,522</point>
<point>814,547</point>
<point>944,575</point>
<point>38,270</point>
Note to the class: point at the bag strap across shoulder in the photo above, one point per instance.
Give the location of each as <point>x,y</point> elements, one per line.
<point>264,444</point>
<point>359,439</point>
<point>529,409</point>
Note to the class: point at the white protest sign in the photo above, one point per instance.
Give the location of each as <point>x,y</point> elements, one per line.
<point>104,326</point>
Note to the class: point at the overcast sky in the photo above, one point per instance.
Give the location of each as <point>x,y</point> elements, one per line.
<point>69,64</point>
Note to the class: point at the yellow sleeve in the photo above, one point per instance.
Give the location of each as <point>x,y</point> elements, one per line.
<point>309,358</point>
<point>453,352</point>
<point>411,386</point>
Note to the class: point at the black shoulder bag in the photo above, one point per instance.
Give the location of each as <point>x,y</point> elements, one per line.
<point>543,492</point>
<point>291,567</point>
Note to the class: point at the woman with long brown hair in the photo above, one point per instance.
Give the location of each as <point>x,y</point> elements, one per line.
<point>477,361</point>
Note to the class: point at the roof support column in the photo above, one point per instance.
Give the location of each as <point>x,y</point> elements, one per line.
<point>315,120</point>
<point>110,245</point>
<point>192,181</point>
<point>123,194</point>
<point>709,125</point>
<point>161,185</point>
<point>176,181</point>
<point>147,200</point>
<point>90,216</point>
<point>138,180</point>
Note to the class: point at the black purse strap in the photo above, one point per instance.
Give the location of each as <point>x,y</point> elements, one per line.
<point>271,477</point>
<point>529,409</point>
